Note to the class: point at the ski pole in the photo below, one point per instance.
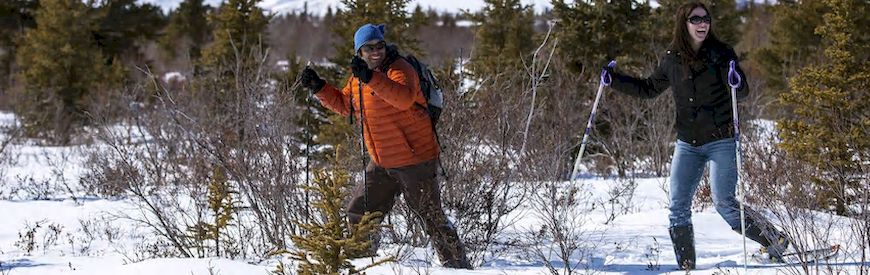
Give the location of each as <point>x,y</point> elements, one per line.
<point>734,81</point>
<point>362,143</point>
<point>308,140</point>
<point>362,152</point>
<point>605,80</point>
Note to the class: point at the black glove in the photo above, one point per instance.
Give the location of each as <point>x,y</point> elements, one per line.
<point>361,69</point>
<point>310,81</point>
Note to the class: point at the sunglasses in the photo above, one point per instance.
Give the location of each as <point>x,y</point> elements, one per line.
<point>695,20</point>
<point>372,47</point>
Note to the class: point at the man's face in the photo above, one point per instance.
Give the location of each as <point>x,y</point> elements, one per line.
<point>373,52</point>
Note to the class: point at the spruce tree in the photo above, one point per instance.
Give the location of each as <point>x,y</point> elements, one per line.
<point>16,16</point>
<point>330,242</point>
<point>726,20</point>
<point>503,36</point>
<point>61,67</point>
<point>187,31</point>
<point>605,29</point>
<point>400,28</point>
<point>122,27</point>
<point>793,42</point>
<point>829,127</point>
<point>231,65</point>
<point>223,205</point>
<point>239,34</point>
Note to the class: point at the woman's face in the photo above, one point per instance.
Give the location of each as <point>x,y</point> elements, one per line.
<point>698,25</point>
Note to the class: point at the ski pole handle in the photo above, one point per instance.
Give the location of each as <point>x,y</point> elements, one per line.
<point>605,77</point>
<point>733,77</point>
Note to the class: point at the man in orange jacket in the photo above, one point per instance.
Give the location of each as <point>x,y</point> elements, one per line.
<point>398,136</point>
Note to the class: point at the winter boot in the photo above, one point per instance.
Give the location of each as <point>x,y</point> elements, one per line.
<point>773,242</point>
<point>450,248</point>
<point>370,251</point>
<point>683,238</point>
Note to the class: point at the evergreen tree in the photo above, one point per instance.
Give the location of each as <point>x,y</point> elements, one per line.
<point>15,17</point>
<point>604,29</point>
<point>754,34</point>
<point>231,64</point>
<point>330,242</point>
<point>793,42</point>
<point>503,36</point>
<point>726,20</point>
<point>239,34</point>
<point>419,18</point>
<point>223,206</point>
<point>829,127</point>
<point>123,25</point>
<point>187,30</point>
<point>400,28</point>
<point>61,66</point>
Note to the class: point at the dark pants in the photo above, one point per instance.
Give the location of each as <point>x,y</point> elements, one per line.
<point>421,191</point>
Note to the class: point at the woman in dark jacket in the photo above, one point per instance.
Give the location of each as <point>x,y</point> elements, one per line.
<point>695,68</point>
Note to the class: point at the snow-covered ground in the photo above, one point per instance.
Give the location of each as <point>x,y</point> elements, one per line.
<point>64,232</point>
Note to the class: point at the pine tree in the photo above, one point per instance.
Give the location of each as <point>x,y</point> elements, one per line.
<point>61,66</point>
<point>123,26</point>
<point>239,34</point>
<point>503,36</point>
<point>400,28</point>
<point>15,17</point>
<point>754,34</point>
<point>606,29</point>
<point>829,127</point>
<point>329,243</point>
<point>187,30</point>
<point>421,18</point>
<point>726,20</point>
<point>793,42</point>
<point>231,65</point>
<point>222,202</point>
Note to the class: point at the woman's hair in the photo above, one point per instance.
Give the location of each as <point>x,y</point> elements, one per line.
<point>682,42</point>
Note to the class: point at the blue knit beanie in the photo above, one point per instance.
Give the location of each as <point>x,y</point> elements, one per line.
<point>366,33</point>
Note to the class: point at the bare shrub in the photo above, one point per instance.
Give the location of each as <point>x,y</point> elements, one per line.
<point>783,187</point>
<point>173,149</point>
<point>562,241</point>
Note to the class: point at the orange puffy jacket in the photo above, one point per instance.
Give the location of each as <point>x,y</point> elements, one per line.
<point>397,128</point>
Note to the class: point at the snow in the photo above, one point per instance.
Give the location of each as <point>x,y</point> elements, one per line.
<point>173,76</point>
<point>76,234</point>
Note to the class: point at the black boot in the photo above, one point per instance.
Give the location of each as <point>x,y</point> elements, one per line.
<point>450,248</point>
<point>370,251</point>
<point>683,238</point>
<point>761,231</point>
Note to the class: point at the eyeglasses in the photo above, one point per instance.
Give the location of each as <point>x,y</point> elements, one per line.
<point>372,47</point>
<point>695,20</point>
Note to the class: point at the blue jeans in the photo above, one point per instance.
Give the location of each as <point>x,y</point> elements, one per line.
<point>687,167</point>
